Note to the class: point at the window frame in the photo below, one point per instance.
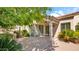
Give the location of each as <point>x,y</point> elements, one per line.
<point>66,26</point>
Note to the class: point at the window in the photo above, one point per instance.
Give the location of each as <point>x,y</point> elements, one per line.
<point>65,26</point>
<point>41,29</point>
<point>77,27</point>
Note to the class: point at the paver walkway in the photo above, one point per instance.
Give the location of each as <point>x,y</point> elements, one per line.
<point>36,44</point>
<point>63,46</point>
<point>45,44</point>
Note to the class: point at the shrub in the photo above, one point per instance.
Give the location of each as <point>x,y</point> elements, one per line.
<point>22,33</point>
<point>66,35</point>
<point>69,36</point>
<point>7,35</point>
<point>61,35</point>
<point>76,35</point>
<point>25,33</point>
<point>66,38</point>
<point>7,43</point>
<point>69,33</point>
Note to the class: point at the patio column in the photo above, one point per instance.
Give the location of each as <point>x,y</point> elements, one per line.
<point>51,31</point>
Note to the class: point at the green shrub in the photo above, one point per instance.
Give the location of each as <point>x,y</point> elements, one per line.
<point>25,33</point>
<point>76,35</point>
<point>7,35</point>
<point>22,33</point>
<point>66,38</point>
<point>69,36</point>
<point>7,43</point>
<point>69,33</point>
<point>66,35</point>
<point>61,35</point>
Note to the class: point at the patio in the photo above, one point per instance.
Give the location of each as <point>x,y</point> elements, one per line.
<point>45,44</point>
<point>36,44</point>
<point>64,46</point>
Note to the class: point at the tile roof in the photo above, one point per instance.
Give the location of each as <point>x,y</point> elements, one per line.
<point>68,16</point>
<point>64,17</point>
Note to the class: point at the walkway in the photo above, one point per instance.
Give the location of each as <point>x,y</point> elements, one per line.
<point>63,46</point>
<point>36,44</point>
<point>45,44</point>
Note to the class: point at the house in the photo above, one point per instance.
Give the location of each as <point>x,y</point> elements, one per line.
<point>53,25</point>
<point>68,21</point>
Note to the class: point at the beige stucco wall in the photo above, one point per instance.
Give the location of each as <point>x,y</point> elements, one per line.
<point>73,23</point>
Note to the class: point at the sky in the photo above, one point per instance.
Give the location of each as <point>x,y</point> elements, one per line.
<point>60,11</point>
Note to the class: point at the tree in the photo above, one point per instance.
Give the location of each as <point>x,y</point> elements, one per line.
<point>22,16</point>
<point>12,16</point>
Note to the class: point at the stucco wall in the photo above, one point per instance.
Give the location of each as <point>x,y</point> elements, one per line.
<point>73,23</point>
<point>59,26</point>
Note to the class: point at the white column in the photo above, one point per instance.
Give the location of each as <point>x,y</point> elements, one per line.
<point>51,32</point>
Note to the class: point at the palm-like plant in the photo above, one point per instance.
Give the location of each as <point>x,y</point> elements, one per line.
<point>8,44</point>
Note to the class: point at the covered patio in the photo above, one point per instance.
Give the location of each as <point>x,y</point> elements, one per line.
<point>44,41</point>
